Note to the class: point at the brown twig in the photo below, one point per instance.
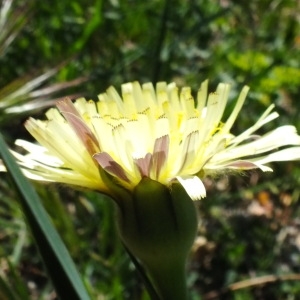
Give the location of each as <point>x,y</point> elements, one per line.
<point>251,282</point>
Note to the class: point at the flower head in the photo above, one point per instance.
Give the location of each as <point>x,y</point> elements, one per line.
<point>160,133</point>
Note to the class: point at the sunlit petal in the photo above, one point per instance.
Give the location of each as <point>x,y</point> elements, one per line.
<point>159,133</point>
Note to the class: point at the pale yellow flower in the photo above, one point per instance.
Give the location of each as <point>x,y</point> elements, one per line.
<point>157,133</point>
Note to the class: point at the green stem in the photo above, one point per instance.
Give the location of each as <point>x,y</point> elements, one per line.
<point>170,281</point>
<point>148,284</point>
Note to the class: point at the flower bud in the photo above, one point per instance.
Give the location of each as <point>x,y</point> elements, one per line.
<point>158,226</point>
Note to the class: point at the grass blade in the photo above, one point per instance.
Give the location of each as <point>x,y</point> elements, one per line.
<point>56,257</point>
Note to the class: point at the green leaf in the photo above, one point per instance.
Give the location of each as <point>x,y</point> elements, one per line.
<point>56,257</point>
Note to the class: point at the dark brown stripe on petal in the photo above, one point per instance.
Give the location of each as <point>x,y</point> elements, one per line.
<point>68,110</point>
<point>144,164</point>
<point>110,165</point>
<point>188,150</point>
<point>66,105</point>
<point>242,164</point>
<point>160,154</point>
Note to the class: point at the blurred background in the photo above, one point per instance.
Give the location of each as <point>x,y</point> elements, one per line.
<point>248,245</point>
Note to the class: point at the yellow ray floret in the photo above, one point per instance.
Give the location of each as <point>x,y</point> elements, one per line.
<point>158,133</point>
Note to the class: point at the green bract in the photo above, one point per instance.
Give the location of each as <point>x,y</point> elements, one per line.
<point>158,225</point>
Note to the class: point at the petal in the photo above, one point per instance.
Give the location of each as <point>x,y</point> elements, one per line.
<point>246,165</point>
<point>40,171</point>
<point>68,110</point>
<point>266,118</point>
<point>282,136</point>
<point>288,154</point>
<point>111,166</point>
<point>65,145</point>
<point>193,186</point>
<point>160,154</point>
<point>188,150</point>
<point>144,164</point>
<point>2,167</point>
<point>39,153</point>
<point>236,110</point>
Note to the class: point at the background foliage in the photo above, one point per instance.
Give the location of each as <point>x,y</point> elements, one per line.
<point>249,227</point>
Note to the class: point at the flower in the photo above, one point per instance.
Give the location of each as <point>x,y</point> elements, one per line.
<point>149,150</point>
<point>159,134</point>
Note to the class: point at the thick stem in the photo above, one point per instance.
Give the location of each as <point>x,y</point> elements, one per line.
<point>158,225</point>
<point>170,281</point>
